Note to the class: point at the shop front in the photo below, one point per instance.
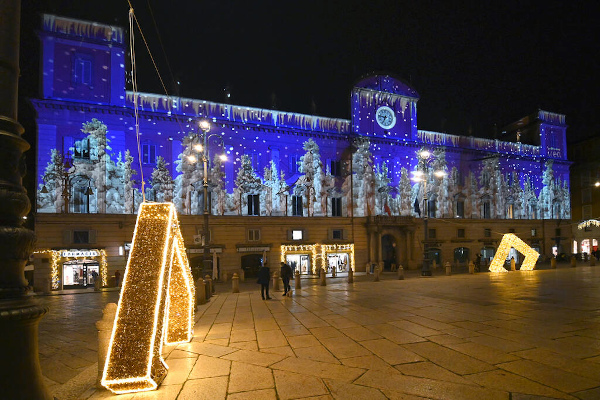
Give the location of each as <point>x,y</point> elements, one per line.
<point>76,268</point>
<point>301,258</point>
<point>337,258</point>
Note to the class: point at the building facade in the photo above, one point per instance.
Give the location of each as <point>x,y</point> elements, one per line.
<point>317,192</point>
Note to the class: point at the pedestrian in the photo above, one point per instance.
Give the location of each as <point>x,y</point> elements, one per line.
<point>264,277</point>
<point>94,276</point>
<point>117,277</point>
<point>286,275</point>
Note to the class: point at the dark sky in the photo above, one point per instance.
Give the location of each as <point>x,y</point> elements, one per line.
<point>474,65</point>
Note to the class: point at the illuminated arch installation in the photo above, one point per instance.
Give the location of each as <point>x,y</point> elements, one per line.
<point>509,240</point>
<point>156,304</point>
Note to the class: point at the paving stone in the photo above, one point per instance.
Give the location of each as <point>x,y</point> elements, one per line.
<point>254,357</point>
<point>395,334</point>
<point>317,353</point>
<point>179,370</point>
<point>294,330</point>
<point>344,390</point>
<point>428,388</point>
<point>318,369</point>
<point>549,376</point>
<point>390,352</point>
<point>343,347</point>
<point>270,339</point>
<point>263,394</point>
<point>367,362</point>
<point>164,392</point>
<point>204,389</point>
<point>412,327</point>
<point>429,370</point>
<point>181,354</point>
<point>291,385</point>
<point>245,377</point>
<point>481,352</point>
<point>326,332</point>
<point>283,350</point>
<point>360,333</point>
<point>251,345</point>
<point>207,349</point>
<point>242,335</point>
<point>504,380</point>
<point>210,367</point>
<point>450,359</point>
<point>579,367</point>
<point>303,341</point>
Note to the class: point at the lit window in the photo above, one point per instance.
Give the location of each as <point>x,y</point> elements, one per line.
<point>81,149</point>
<point>82,69</point>
<point>509,211</point>
<point>297,234</point>
<point>148,153</point>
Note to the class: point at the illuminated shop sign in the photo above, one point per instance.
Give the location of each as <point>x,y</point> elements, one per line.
<point>79,253</point>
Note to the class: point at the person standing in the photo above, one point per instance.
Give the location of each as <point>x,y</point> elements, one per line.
<point>264,277</point>
<point>286,275</point>
<point>117,278</point>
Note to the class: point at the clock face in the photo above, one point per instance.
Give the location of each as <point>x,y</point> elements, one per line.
<point>386,118</point>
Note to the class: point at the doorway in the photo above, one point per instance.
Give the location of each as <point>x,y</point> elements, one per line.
<point>388,252</point>
<point>80,273</point>
<point>251,263</point>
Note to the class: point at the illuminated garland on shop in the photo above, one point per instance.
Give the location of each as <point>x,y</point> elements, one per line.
<point>103,268</point>
<point>301,248</point>
<point>588,223</point>
<point>510,240</point>
<point>54,274</point>
<point>156,303</point>
<point>331,248</point>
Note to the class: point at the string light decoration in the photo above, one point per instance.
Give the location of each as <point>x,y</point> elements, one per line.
<point>588,223</point>
<point>103,268</point>
<point>54,273</point>
<point>336,248</point>
<point>301,248</point>
<point>510,240</point>
<point>156,303</point>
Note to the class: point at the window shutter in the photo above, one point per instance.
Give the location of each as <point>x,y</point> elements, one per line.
<point>92,236</point>
<point>67,236</point>
<point>289,234</point>
<point>345,234</point>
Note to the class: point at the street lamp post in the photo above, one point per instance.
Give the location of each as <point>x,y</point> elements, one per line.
<point>204,150</point>
<point>422,175</point>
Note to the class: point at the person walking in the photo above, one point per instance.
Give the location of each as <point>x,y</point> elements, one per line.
<point>286,275</point>
<point>264,277</point>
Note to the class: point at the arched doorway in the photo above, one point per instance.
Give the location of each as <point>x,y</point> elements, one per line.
<point>388,251</point>
<point>251,264</point>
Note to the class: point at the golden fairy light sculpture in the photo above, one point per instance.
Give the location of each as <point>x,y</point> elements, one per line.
<point>156,303</point>
<point>510,240</point>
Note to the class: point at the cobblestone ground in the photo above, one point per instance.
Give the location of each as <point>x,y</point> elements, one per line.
<point>519,335</point>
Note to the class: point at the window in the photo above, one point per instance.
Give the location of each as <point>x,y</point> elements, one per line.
<point>460,208</point>
<point>585,178</point>
<point>461,255</point>
<point>557,232</point>
<point>431,233</point>
<point>80,199</point>
<point>336,206</point>
<point>486,209</point>
<point>509,211</point>
<point>294,167</point>
<point>431,208</point>
<point>556,210</point>
<point>485,178</point>
<point>297,234</point>
<point>81,237</point>
<point>487,232</point>
<point>336,167</point>
<point>254,160</point>
<point>337,233</point>
<point>81,149</point>
<point>460,233</point>
<point>533,232</point>
<point>82,69</point>
<point>253,235</point>
<point>533,210</point>
<point>253,204</point>
<point>297,206</point>
<point>586,196</point>
<point>586,212</point>
<point>148,153</point>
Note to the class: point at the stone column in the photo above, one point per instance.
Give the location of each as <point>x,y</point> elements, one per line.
<point>400,272</point>
<point>21,376</point>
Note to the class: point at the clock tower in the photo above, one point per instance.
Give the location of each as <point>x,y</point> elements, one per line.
<point>385,107</point>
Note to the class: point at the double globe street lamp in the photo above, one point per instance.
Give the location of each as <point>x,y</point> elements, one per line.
<point>422,175</point>
<point>202,148</point>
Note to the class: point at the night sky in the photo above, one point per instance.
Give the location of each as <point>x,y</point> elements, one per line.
<point>475,66</point>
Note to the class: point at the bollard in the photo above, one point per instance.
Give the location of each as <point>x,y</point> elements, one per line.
<point>97,284</point>
<point>368,269</point>
<point>235,283</point>
<point>513,264</point>
<point>322,276</point>
<point>207,289</point>
<point>350,276</point>
<point>553,263</point>
<point>276,281</point>
<point>471,267</point>
<point>104,327</point>
<point>209,285</point>
<point>393,267</point>
<point>434,265</point>
<point>297,283</point>
<point>400,272</point>
<point>592,261</point>
<point>573,261</point>
<point>200,292</point>
<point>376,274</point>
<point>242,275</point>
<point>448,268</point>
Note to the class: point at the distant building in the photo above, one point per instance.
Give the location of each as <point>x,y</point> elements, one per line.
<point>317,192</point>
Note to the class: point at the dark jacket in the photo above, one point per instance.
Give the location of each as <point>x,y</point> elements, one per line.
<point>286,272</point>
<point>264,275</point>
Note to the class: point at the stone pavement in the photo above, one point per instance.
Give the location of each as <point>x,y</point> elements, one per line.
<point>519,335</point>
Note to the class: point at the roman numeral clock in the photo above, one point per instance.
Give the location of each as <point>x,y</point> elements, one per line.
<point>386,117</point>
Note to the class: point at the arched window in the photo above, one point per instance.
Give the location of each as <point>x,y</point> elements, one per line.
<point>486,207</point>
<point>461,255</point>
